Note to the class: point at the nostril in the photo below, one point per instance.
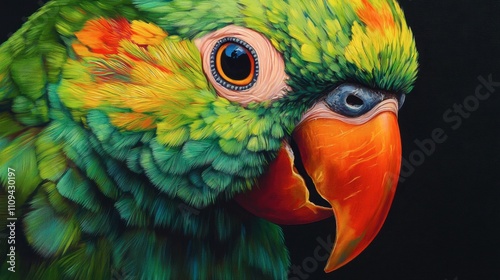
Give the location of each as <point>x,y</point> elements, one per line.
<point>354,101</point>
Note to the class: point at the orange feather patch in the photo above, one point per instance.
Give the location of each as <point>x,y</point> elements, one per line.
<point>100,37</point>
<point>132,71</point>
<point>103,36</point>
<point>376,19</point>
<point>133,121</point>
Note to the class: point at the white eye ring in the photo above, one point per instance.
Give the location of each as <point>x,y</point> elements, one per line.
<point>270,83</point>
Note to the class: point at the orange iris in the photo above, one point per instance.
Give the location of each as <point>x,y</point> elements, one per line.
<point>235,64</point>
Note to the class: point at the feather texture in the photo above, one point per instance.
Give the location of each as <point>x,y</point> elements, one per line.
<point>126,157</point>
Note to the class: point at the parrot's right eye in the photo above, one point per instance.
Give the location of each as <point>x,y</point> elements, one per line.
<point>234,64</point>
<point>242,65</point>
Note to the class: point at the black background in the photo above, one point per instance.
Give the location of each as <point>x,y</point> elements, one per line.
<point>445,219</point>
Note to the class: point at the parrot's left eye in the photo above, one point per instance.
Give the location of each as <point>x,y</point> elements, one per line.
<point>234,64</point>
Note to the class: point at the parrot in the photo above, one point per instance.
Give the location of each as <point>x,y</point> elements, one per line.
<point>171,139</point>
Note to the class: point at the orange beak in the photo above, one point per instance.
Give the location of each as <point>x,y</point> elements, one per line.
<point>354,165</point>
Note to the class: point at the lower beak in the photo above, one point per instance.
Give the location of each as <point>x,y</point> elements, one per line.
<point>354,166</point>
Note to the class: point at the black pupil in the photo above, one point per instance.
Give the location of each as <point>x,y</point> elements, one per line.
<point>235,62</point>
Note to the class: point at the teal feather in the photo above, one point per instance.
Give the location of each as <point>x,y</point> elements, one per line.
<point>131,213</point>
<point>79,190</point>
<point>133,160</point>
<point>163,212</point>
<point>228,164</point>
<point>102,223</point>
<point>216,180</point>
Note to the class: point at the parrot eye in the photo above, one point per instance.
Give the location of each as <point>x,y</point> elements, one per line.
<point>234,64</point>
<point>242,65</point>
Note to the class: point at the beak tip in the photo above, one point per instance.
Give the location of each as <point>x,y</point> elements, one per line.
<point>336,265</point>
<point>341,255</point>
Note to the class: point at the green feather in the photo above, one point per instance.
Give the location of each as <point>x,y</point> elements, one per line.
<point>97,256</point>
<point>50,234</point>
<point>51,159</point>
<point>19,155</point>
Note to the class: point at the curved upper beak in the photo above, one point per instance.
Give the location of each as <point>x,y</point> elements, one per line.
<point>354,164</point>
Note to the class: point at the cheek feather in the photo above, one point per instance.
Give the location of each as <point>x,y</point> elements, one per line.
<point>271,80</point>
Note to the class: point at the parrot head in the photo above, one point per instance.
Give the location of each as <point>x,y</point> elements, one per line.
<point>249,100</point>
